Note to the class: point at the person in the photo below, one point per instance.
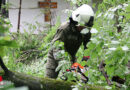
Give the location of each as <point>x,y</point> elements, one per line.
<point>72,33</point>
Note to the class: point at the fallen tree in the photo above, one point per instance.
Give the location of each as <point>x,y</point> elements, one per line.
<point>38,83</point>
<point>34,83</point>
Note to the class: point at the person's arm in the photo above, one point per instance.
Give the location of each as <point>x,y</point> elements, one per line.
<point>86,39</point>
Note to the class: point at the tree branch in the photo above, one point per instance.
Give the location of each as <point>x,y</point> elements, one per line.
<point>101,68</point>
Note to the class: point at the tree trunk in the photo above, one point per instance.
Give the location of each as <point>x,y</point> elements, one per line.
<point>36,83</point>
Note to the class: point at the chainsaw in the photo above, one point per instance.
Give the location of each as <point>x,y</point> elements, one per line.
<point>78,69</point>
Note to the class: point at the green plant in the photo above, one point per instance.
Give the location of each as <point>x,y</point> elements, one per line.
<point>31,54</point>
<point>109,42</point>
<point>5,43</point>
<point>5,38</point>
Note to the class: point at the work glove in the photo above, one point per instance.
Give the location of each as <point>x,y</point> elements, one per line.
<point>85,58</point>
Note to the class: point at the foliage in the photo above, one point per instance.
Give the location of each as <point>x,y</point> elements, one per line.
<point>5,85</point>
<point>5,39</point>
<point>5,43</point>
<point>109,42</point>
<point>115,44</point>
<point>31,54</point>
<point>47,40</point>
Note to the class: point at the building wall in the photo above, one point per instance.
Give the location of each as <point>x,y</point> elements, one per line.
<point>31,13</point>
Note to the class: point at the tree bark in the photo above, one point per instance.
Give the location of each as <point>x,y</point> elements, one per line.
<point>101,68</point>
<point>36,83</point>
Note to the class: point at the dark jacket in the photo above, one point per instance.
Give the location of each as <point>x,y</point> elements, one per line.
<point>72,38</point>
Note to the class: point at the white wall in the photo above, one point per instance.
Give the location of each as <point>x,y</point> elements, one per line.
<point>31,13</point>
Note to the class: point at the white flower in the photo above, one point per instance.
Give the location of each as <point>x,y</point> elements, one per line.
<point>113,49</point>
<point>115,42</point>
<point>125,48</point>
<point>93,30</point>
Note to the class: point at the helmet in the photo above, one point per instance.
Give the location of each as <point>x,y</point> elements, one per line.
<point>84,15</point>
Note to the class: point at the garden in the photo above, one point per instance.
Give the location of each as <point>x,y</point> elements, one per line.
<point>108,66</point>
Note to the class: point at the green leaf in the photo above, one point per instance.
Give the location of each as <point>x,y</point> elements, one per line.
<point>2,49</point>
<point>8,43</point>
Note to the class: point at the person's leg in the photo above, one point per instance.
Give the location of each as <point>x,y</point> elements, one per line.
<point>55,55</point>
<point>50,69</point>
<point>51,66</point>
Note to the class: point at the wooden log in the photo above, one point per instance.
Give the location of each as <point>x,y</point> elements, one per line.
<point>33,83</point>
<point>36,83</point>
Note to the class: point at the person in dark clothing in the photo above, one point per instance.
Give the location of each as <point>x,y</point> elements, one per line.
<point>72,34</point>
